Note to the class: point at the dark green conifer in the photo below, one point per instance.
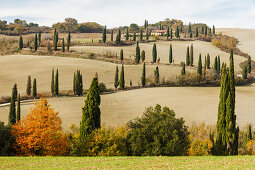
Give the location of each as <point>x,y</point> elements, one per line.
<point>244,73</point>
<point>171,33</point>
<point>215,66</point>
<point>39,38</point>
<point>213,29</point>
<point>141,35</point>
<point>191,55</point>
<point>156,75</point>
<point>121,54</point>
<point>134,37</point>
<point>187,57</point>
<point>143,55</point>
<point>147,34</point>
<point>112,36</point>
<point>20,43</point>
<point>208,62</point>
<point>143,78</point>
<point>35,43</point>
<point>199,66</point>
<point>171,54</point>
<point>154,53</point>
<point>218,67</point>
<point>118,37</point>
<point>122,78</point>
<point>249,136</point>
<point>104,35</point>
<point>116,80</point>
<point>167,33</point>
<point>68,41</point>
<point>177,32</point>
<point>18,109</point>
<point>29,86</point>
<point>63,45</point>
<point>12,112</point>
<point>56,88</point>
<point>34,88</point>
<point>249,65</point>
<point>183,71</point>
<point>137,56</point>
<point>189,28</point>
<point>127,35</point>
<point>197,32</point>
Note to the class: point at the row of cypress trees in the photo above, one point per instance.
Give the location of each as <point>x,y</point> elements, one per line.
<point>189,56</point>
<point>29,87</point>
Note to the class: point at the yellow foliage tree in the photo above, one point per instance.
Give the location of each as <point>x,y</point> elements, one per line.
<point>251,147</point>
<point>40,133</point>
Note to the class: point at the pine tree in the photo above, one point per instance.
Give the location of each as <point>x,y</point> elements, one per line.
<point>20,43</point>
<point>29,86</point>
<point>116,80</point>
<point>91,114</point>
<point>183,71</point>
<point>63,45</point>
<point>249,136</point>
<point>147,34</point>
<point>167,33</point>
<point>177,32</point>
<point>218,67</point>
<point>208,62</point>
<point>127,35</point>
<point>171,54</point>
<point>104,35</point>
<point>191,55</point>
<point>134,37</point>
<point>52,82</point>
<point>122,78</point>
<point>213,29</point>
<point>68,41</point>
<point>156,75</point>
<point>187,57</point>
<point>18,109</point>
<point>34,88</point>
<point>141,35</point>
<point>197,32</point>
<point>244,73</point>
<point>35,43</point>
<point>121,54</point>
<point>12,112</point>
<point>56,89</point>
<point>143,78</point>
<point>199,66</point>
<point>118,37</point>
<point>143,55</point>
<point>249,65</point>
<point>137,56</point>
<point>171,33</point>
<point>154,53</point>
<point>112,36</point>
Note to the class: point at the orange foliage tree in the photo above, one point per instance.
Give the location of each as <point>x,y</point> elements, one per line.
<point>40,133</point>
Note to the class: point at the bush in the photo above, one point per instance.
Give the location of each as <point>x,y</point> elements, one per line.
<point>5,139</point>
<point>158,132</point>
<point>103,142</point>
<point>91,56</point>
<point>250,147</point>
<point>102,88</point>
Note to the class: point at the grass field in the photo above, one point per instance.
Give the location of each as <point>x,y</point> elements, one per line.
<point>203,162</point>
<point>194,104</point>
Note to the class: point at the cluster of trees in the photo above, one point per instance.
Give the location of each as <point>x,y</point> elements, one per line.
<point>119,82</point>
<point>247,68</point>
<point>77,83</point>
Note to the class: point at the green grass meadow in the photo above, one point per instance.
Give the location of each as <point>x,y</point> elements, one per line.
<point>203,162</point>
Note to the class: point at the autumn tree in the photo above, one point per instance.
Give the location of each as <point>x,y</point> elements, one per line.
<point>40,133</point>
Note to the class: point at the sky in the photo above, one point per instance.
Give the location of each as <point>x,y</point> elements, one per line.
<point>115,13</point>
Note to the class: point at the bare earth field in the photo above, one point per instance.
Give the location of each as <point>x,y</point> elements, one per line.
<point>246,38</point>
<point>16,68</point>
<point>179,51</point>
<point>194,104</point>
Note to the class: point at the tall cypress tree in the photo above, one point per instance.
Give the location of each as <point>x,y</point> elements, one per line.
<point>112,36</point>
<point>177,32</point>
<point>52,82</point>
<point>55,40</point>
<point>167,33</point>
<point>143,78</point>
<point>34,88</point>
<point>189,28</point>
<point>121,54</point>
<point>68,41</point>
<point>134,37</point>
<point>191,55</point>
<point>202,30</point>
<point>127,35</point>
<point>141,35</point>
<point>218,61</point>
<point>12,112</point>
<point>74,83</point>
<point>63,45</point>
<point>197,32</point>
<point>116,79</point>
<point>208,62</point>
<point>147,34</point>
<point>213,29</point>
<point>187,57</point>
<point>91,114</point>
<point>122,78</point>
<point>137,56</point>
<point>244,73</point>
<point>15,92</point>
<point>215,66</point>
<point>118,37</point>
<point>104,35</point>
<point>199,66</point>
<point>154,53</point>
<point>156,75</point>
<point>183,71</point>
<point>78,83</point>
<point>18,109</point>
<point>20,43</point>
<point>143,55</point>
<point>249,136</point>
<point>29,86</point>
<point>205,30</point>
<point>249,65</point>
<point>39,38</point>
<point>56,89</point>
<point>170,54</point>
<point>35,43</point>
<point>171,33</point>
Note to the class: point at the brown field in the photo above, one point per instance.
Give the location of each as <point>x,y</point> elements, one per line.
<point>194,104</point>
<point>179,51</point>
<point>16,68</point>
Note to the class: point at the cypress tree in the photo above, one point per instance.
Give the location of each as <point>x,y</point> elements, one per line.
<point>202,30</point>
<point>156,75</point>
<point>147,34</point>
<point>205,30</point>
<point>78,83</point>
<point>55,40</point>
<point>145,24</point>
<point>143,78</point>
<point>141,35</point>
<point>244,73</point>
<point>177,32</point>
<point>112,36</point>
<point>15,92</point>
<point>205,64</point>
<point>187,57</point>
<point>18,109</point>
<point>197,32</point>
<point>34,88</point>
<point>74,83</point>
<point>118,37</point>
<point>116,80</point>
<point>104,35</point>
<point>134,37</point>
<point>29,86</point>
<point>12,112</point>
<point>20,43</point>
<point>170,54</point>
<point>190,35</point>
<point>167,33</point>
<point>56,89</point>
<point>121,54</point>
<point>68,41</point>
<point>199,66</point>
<point>181,28</point>
<point>63,45</point>
<point>143,55</point>
<point>171,33</point>
<point>39,38</point>
<point>35,43</point>
<point>183,71</point>
<point>137,56</point>
<point>122,78</point>
<point>213,29</point>
<point>208,62</point>
<point>191,55</point>
<point>91,114</point>
<point>249,136</point>
<point>215,67</point>
<point>218,67</point>
<point>127,35</point>
<point>189,28</point>
<point>210,31</point>
<point>52,82</point>
<point>154,53</point>
<point>249,65</point>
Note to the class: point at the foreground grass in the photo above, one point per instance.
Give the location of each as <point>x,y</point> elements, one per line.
<point>205,162</point>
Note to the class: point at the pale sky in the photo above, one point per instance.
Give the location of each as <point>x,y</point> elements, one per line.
<point>114,13</point>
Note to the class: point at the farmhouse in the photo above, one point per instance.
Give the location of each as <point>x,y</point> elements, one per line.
<point>158,32</point>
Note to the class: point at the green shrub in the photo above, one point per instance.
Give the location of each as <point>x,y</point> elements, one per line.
<point>5,139</point>
<point>158,132</point>
<point>102,87</point>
